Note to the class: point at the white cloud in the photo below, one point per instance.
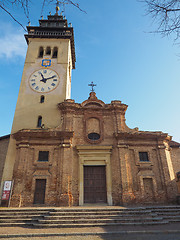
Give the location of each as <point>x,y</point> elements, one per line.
<point>12,42</point>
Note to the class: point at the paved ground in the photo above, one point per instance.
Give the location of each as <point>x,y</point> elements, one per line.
<point>135,236</point>
<point>105,229</point>
<point>163,232</point>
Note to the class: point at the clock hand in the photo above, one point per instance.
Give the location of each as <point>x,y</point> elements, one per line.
<point>42,76</point>
<point>49,77</point>
<point>43,79</point>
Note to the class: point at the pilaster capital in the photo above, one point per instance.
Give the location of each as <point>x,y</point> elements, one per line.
<point>161,147</point>
<point>123,146</point>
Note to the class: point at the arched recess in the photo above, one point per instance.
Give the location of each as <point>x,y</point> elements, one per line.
<point>42,99</point>
<point>93,130</point>
<point>48,51</point>
<point>55,52</point>
<point>39,122</point>
<point>41,52</point>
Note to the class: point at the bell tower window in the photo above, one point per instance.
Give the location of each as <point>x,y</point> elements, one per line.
<point>41,52</point>
<point>48,51</point>
<point>55,52</point>
<point>39,123</point>
<point>42,99</point>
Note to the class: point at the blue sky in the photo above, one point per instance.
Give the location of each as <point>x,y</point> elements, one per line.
<point>115,50</point>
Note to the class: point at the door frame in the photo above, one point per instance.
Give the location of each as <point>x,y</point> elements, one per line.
<point>94,156</point>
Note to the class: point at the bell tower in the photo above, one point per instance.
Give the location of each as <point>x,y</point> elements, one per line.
<point>46,79</point>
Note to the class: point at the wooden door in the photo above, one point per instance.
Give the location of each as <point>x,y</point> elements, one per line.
<point>148,190</point>
<point>95,184</point>
<point>40,188</point>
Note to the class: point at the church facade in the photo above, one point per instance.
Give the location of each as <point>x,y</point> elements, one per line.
<point>63,153</point>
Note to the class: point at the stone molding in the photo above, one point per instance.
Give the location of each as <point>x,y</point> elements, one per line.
<point>96,156</point>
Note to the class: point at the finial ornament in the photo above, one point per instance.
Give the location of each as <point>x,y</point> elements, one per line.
<point>92,85</point>
<point>57,7</point>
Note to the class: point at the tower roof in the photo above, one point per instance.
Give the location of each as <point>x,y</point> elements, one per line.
<point>56,26</point>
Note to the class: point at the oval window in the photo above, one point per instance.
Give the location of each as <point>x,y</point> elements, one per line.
<point>93,136</point>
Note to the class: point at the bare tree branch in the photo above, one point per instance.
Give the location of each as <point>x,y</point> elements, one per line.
<point>166,13</point>
<point>5,5</point>
<point>12,17</point>
<point>75,5</point>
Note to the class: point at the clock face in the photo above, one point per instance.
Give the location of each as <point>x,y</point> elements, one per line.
<point>44,80</point>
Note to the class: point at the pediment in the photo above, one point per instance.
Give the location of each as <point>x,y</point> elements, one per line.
<point>93,101</point>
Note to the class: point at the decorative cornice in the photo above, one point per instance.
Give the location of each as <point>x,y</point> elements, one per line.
<point>28,134</point>
<point>143,135</point>
<point>92,104</point>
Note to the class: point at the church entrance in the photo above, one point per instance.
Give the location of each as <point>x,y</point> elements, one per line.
<point>95,184</point>
<point>40,188</point>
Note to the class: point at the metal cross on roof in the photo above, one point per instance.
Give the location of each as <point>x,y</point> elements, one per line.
<point>61,4</point>
<point>92,85</point>
<point>57,7</point>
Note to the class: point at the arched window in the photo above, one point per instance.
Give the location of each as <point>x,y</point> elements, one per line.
<point>41,52</point>
<point>55,52</point>
<point>48,51</point>
<point>39,123</point>
<point>42,99</point>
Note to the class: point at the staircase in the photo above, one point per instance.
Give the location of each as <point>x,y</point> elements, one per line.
<point>88,217</point>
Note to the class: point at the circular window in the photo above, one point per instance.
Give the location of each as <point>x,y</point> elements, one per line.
<point>94,136</point>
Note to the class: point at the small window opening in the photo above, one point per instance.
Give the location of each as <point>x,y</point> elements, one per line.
<point>43,156</point>
<point>42,99</point>
<point>94,136</point>
<point>48,51</point>
<point>143,157</point>
<point>41,52</point>
<point>55,52</point>
<point>39,123</point>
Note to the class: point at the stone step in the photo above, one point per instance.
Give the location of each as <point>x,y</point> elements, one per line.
<point>16,224</point>
<point>19,220</point>
<point>105,211</point>
<point>111,217</point>
<point>94,220</point>
<point>165,210</point>
<point>20,216</point>
<point>167,213</point>
<point>98,212</point>
<point>96,217</point>
<point>144,213</point>
<point>22,213</point>
<point>25,210</point>
<point>75,225</point>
